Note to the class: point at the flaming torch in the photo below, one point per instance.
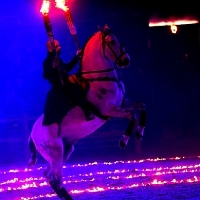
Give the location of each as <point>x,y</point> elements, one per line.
<point>45,10</point>
<point>61,4</point>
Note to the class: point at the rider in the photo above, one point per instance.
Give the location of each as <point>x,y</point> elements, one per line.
<point>62,90</point>
<point>62,93</point>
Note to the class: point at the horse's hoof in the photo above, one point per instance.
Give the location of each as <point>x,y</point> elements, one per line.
<point>138,135</point>
<point>66,195</point>
<point>32,161</point>
<point>61,193</point>
<point>122,144</point>
<point>56,189</point>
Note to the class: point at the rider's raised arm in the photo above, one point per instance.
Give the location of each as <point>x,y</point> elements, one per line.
<point>50,72</point>
<point>71,64</point>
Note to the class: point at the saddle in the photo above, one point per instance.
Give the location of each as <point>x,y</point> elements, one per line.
<point>83,83</point>
<point>85,86</point>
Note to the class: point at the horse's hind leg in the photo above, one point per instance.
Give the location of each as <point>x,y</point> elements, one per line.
<point>54,179</point>
<point>52,151</point>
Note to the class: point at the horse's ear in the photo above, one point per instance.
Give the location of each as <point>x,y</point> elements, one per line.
<point>106,27</point>
<point>105,30</point>
<point>100,29</point>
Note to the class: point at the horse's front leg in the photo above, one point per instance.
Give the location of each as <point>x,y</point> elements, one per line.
<point>117,111</point>
<point>129,105</point>
<point>126,136</point>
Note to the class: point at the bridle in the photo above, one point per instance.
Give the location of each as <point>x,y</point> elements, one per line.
<point>108,44</point>
<point>117,59</point>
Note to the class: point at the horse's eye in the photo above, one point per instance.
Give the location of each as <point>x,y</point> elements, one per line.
<point>113,42</point>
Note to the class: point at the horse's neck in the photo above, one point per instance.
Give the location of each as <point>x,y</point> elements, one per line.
<point>94,60</point>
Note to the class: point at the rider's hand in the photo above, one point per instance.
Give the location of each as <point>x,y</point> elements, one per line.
<point>79,53</point>
<point>56,62</point>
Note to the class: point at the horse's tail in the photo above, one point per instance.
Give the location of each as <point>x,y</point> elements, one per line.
<point>33,159</point>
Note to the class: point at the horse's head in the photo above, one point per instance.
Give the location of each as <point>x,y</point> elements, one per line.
<point>113,49</point>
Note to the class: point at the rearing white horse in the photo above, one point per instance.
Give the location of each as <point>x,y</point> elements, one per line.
<point>101,53</point>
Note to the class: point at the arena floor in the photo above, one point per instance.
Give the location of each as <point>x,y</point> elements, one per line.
<point>161,178</point>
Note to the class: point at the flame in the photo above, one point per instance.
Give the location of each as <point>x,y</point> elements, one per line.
<point>61,4</point>
<point>45,7</point>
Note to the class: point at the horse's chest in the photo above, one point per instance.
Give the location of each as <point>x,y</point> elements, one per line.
<point>105,93</point>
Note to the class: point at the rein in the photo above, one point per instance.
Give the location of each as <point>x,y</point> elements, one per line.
<point>97,71</point>
<point>101,79</point>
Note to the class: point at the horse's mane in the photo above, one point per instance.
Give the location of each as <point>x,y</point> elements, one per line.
<point>83,49</point>
<point>106,31</point>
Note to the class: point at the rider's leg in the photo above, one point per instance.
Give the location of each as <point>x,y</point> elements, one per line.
<point>89,115</point>
<point>33,159</point>
<point>80,98</point>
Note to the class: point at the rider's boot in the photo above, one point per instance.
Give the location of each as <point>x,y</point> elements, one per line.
<point>80,98</point>
<point>89,115</point>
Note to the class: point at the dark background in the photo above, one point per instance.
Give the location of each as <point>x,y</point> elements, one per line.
<point>164,74</point>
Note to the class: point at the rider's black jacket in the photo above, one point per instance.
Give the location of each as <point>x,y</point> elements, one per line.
<point>58,99</point>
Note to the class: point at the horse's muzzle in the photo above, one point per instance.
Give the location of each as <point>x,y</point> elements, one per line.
<point>123,63</point>
<point>126,62</point>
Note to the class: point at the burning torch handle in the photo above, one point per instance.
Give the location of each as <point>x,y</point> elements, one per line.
<point>48,27</point>
<point>72,27</point>
<point>76,41</point>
